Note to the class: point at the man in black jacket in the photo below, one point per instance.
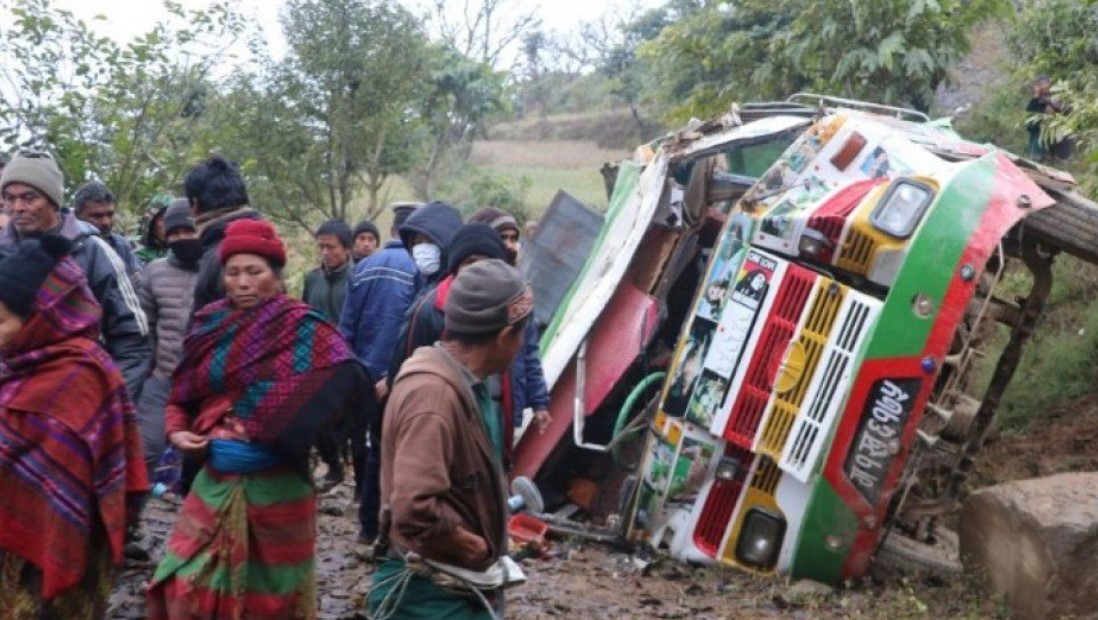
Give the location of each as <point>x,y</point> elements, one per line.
<point>216,192</point>
<point>32,188</point>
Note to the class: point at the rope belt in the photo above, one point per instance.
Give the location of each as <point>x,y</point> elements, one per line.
<point>416,566</point>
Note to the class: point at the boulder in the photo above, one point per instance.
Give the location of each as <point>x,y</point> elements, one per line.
<point>1035,542</point>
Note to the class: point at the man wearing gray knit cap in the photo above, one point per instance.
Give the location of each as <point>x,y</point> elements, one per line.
<point>443,488</point>
<point>33,191</point>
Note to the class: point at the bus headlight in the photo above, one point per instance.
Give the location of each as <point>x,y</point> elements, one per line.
<point>760,539</point>
<point>901,208</point>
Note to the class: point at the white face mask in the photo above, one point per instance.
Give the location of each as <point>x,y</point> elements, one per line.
<point>427,257</point>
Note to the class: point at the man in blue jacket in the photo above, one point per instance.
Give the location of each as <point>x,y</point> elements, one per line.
<point>382,287</point>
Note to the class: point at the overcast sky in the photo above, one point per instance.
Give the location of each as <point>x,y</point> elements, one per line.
<point>127,18</point>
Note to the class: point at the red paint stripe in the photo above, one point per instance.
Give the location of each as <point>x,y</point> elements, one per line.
<point>1000,215</point>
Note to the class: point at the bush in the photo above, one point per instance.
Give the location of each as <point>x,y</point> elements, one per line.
<point>1059,362</point>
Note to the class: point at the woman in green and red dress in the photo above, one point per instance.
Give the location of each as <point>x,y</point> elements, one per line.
<point>71,470</point>
<point>261,373</point>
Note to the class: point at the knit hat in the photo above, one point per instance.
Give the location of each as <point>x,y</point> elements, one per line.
<point>338,229</point>
<point>257,237</point>
<point>498,219</point>
<point>474,238</point>
<point>366,226</point>
<point>23,271</point>
<point>486,297</point>
<point>39,171</point>
<point>178,216</point>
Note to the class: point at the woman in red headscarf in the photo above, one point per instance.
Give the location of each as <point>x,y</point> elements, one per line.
<point>261,374</point>
<point>71,469</point>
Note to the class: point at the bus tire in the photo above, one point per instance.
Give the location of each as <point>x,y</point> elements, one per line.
<point>903,554</point>
<point>1070,225</point>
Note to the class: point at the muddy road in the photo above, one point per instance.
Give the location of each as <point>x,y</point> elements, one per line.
<point>585,581</point>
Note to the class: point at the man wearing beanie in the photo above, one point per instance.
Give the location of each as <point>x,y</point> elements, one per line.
<point>422,326</point>
<point>506,225</point>
<point>381,289</point>
<point>217,196</point>
<point>326,289</point>
<point>32,189</point>
<point>439,422</point>
<point>167,297</point>
<point>96,205</point>
<point>367,239</point>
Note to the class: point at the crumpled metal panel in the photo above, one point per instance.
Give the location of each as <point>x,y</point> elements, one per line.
<point>625,327</point>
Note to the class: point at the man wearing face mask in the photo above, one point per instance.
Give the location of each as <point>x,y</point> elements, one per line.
<point>167,296</point>
<point>426,234</point>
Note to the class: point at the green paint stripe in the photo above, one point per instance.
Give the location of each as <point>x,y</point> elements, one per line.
<point>629,174</point>
<point>827,516</point>
<point>929,267</point>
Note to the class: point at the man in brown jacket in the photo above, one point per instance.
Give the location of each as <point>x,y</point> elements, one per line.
<point>442,484</point>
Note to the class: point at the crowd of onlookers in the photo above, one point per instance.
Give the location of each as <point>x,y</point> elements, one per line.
<point>183,360</point>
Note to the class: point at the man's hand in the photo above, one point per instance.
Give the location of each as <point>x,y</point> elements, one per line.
<point>542,420</point>
<point>470,544</point>
<point>381,388</point>
<point>189,443</point>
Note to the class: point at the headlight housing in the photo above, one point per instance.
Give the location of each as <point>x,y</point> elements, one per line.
<point>902,207</point>
<point>760,539</point>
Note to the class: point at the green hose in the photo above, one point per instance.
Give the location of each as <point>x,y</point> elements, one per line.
<point>627,407</point>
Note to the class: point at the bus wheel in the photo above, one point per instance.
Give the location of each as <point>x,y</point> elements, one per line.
<point>907,555</point>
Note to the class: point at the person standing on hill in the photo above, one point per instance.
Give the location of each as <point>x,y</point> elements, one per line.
<point>218,197</point>
<point>95,204</point>
<point>167,297</point>
<point>326,289</point>
<point>32,188</point>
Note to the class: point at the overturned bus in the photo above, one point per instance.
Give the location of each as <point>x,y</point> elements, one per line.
<point>768,358</point>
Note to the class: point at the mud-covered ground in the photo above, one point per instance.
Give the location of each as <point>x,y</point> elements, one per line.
<point>588,581</point>
<point>584,581</point>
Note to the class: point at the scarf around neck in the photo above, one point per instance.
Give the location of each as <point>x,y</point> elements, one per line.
<point>276,362</point>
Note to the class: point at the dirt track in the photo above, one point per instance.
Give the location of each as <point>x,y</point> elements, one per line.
<point>584,581</point>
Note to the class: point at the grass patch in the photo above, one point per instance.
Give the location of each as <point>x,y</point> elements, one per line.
<point>585,184</point>
<point>1059,363</point>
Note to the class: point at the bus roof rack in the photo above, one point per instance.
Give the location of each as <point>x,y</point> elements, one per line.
<point>876,108</point>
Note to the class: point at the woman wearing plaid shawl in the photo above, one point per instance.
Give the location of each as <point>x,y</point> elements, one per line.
<point>71,470</point>
<point>261,374</point>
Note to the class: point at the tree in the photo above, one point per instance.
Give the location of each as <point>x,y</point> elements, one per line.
<point>339,115</point>
<point>482,29</point>
<point>462,94</point>
<point>128,114</point>
<point>888,51</point>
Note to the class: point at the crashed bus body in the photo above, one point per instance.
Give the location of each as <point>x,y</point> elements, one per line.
<point>767,359</point>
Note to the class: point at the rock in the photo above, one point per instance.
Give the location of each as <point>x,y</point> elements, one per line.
<point>808,589</point>
<point>1035,542</point>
